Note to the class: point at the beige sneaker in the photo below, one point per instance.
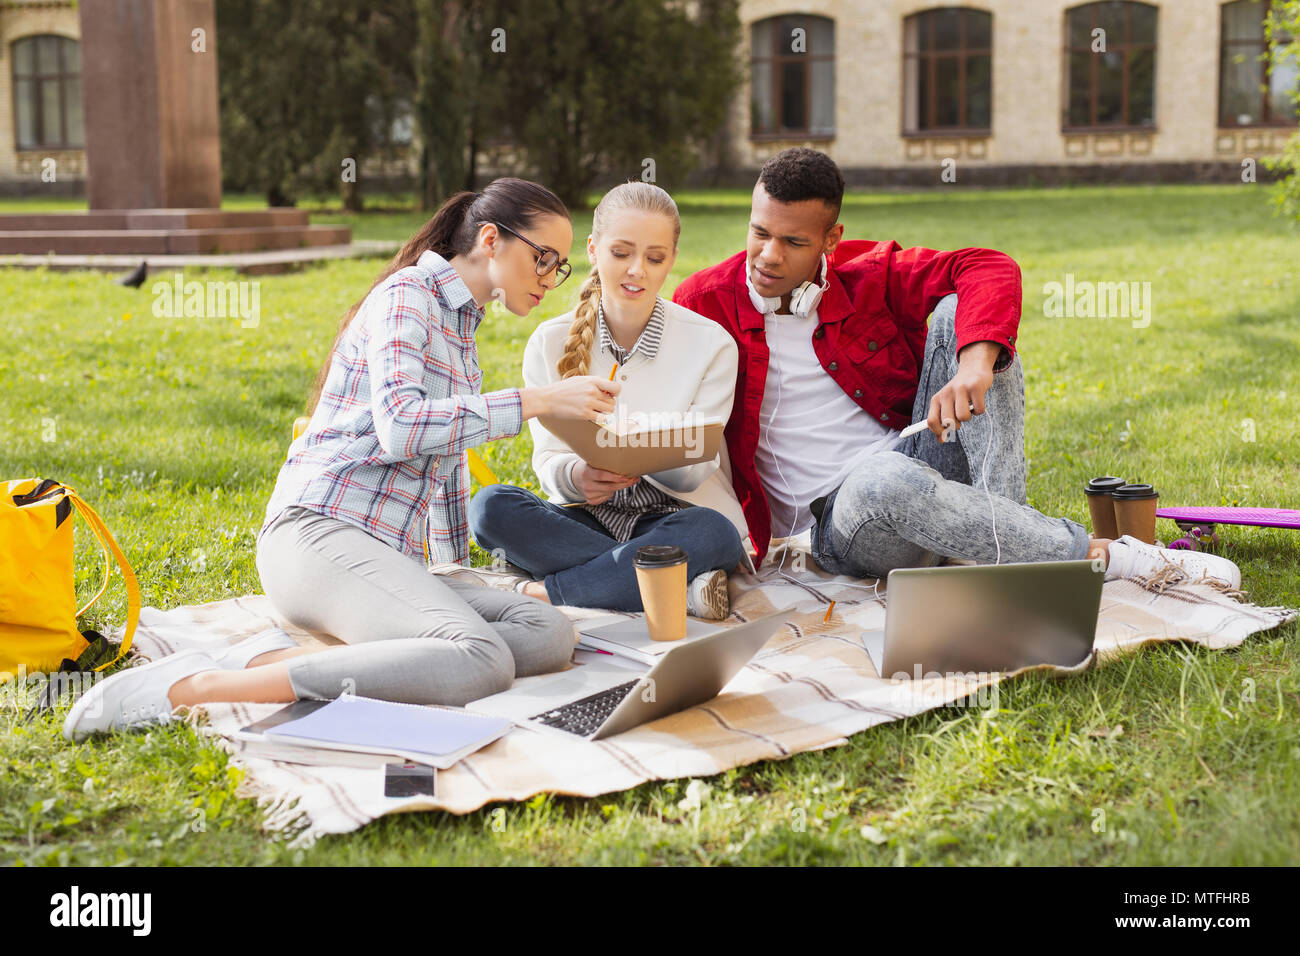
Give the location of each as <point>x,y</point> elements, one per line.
<point>707,596</point>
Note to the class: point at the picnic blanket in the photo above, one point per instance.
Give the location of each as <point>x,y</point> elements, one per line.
<point>810,687</point>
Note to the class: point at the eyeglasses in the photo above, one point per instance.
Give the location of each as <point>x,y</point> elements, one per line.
<point>547,259</point>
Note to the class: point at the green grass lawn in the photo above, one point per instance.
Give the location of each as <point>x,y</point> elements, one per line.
<point>174,429</point>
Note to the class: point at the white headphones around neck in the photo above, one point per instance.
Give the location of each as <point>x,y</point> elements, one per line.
<point>803,298</point>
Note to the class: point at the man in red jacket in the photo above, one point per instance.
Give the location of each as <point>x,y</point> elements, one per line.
<point>836,358</point>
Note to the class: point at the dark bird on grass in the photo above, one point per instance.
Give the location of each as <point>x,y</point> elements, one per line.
<point>136,278</point>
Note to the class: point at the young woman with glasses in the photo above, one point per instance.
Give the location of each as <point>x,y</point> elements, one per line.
<point>670,361</point>
<point>378,480</point>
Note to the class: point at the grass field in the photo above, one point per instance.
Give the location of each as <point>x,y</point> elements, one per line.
<point>174,429</point>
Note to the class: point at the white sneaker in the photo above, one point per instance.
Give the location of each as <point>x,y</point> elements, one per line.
<point>236,656</point>
<point>1130,557</point>
<point>135,697</point>
<point>707,597</point>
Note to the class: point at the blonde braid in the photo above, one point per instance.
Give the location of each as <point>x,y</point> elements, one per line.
<point>576,359</point>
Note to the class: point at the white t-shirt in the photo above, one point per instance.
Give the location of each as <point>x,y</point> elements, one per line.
<point>811,434</point>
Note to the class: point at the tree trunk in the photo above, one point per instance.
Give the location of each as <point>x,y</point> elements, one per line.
<point>440,109</point>
<point>275,196</point>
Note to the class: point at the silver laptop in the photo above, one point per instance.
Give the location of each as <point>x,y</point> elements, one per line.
<point>606,697</point>
<point>986,618</point>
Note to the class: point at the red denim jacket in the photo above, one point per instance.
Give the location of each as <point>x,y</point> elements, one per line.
<point>870,337</point>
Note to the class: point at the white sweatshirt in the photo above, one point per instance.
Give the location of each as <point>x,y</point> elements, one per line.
<point>694,371</point>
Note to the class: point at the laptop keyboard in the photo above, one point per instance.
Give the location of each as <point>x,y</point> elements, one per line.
<point>584,717</point>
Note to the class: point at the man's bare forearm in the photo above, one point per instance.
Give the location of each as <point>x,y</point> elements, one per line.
<point>979,355</point>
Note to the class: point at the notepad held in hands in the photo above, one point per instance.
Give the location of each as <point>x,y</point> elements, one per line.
<point>640,445</point>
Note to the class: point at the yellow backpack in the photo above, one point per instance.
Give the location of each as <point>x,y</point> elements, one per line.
<point>38,602</point>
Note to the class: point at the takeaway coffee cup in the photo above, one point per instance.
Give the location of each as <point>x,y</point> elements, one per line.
<point>1135,511</point>
<point>1101,505</point>
<point>661,576</point>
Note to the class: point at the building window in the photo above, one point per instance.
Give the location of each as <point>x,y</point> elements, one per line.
<point>47,93</point>
<point>792,77</point>
<point>1110,51</point>
<point>948,71</point>
<point>1254,91</point>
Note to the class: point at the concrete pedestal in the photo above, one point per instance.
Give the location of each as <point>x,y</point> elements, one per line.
<point>153,147</point>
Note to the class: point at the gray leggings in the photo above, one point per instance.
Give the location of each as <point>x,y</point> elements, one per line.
<point>411,636</point>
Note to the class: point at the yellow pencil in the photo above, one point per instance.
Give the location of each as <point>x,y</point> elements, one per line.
<point>613,372</point>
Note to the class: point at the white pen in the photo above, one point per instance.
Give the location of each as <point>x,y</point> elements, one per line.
<point>920,426</point>
<point>911,430</point>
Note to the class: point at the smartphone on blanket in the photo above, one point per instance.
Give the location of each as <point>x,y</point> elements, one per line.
<point>408,780</point>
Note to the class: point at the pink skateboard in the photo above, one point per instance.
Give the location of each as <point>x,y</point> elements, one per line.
<point>1198,523</point>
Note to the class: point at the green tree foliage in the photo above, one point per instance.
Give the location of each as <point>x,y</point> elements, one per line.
<point>602,86</point>
<point>1283,28</point>
<point>305,86</point>
<point>579,88</point>
<point>454,101</point>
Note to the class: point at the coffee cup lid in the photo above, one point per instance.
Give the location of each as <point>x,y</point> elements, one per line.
<point>1102,486</point>
<point>1135,491</point>
<point>659,556</point>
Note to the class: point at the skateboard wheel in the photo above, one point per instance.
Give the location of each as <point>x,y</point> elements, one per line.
<point>1183,544</point>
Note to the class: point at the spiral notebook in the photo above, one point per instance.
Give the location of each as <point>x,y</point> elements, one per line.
<point>252,741</point>
<point>437,736</point>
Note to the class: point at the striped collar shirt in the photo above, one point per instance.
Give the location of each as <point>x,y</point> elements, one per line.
<point>620,514</point>
<point>385,449</point>
<point>647,343</point>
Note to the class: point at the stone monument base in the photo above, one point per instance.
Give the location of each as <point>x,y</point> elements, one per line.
<point>163,231</point>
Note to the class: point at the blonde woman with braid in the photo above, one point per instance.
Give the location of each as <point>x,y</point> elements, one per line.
<point>670,360</point>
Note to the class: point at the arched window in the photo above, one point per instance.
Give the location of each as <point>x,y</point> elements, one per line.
<point>1110,51</point>
<point>948,70</point>
<point>792,76</point>
<point>47,93</point>
<point>1253,91</point>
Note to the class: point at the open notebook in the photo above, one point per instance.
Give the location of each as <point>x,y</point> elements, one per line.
<point>354,726</point>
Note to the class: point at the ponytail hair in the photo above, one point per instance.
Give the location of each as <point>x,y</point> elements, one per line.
<point>452,231</point>
<point>644,197</point>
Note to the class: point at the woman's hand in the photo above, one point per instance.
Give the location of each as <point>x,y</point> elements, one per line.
<point>584,397</point>
<point>598,486</point>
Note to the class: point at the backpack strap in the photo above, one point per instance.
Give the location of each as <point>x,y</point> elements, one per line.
<point>132,586</point>
<point>97,648</point>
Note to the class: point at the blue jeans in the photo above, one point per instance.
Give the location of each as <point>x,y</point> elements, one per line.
<point>578,560</point>
<point>925,500</point>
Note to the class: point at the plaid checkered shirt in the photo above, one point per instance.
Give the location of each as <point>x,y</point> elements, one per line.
<point>385,449</point>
